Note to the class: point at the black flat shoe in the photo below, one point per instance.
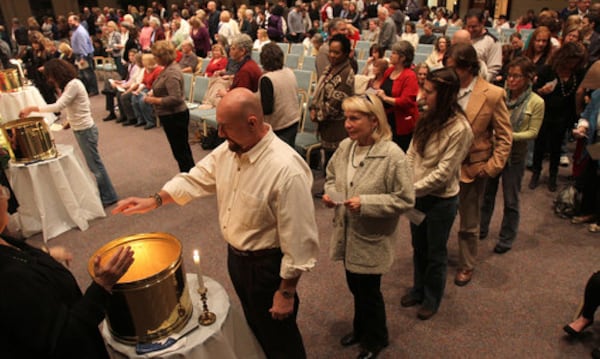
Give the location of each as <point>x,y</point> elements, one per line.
<point>348,340</point>
<point>110,117</point>
<point>501,250</point>
<point>140,124</point>
<point>148,127</point>
<point>573,333</point>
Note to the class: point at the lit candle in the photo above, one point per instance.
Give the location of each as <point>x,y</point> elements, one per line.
<point>196,257</point>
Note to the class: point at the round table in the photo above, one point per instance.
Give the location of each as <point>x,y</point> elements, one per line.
<point>11,103</point>
<point>54,195</point>
<point>229,337</point>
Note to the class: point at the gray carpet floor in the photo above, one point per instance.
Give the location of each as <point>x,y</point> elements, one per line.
<point>515,306</point>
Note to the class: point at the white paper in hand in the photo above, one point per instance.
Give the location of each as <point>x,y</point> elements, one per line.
<point>337,197</point>
<point>415,216</point>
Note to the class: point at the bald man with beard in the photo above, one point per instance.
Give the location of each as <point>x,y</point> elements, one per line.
<point>261,184</point>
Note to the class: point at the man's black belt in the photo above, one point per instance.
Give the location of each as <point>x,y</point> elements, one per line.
<point>258,253</point>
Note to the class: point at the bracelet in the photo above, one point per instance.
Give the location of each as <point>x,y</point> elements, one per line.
<point>157,199</point>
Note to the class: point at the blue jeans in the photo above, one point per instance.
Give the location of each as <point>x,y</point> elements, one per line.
<point>430,254</point>
<point>511,175</point>
<point>143,111</point>
<point>88,143</point>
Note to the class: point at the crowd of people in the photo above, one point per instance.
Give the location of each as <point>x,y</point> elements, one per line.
<point>427,140</point>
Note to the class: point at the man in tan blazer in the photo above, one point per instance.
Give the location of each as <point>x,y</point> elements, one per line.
<point>490,121</point>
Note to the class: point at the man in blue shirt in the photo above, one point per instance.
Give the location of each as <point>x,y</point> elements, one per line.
<point>84,53</point>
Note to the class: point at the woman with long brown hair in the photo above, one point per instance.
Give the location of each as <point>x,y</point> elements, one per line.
<point>441,141</point>
<point>34,60</point>
<point>539,48</point>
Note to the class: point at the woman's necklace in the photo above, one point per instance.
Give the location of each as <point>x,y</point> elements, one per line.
<point>353,153</point>
<point>564,83</point>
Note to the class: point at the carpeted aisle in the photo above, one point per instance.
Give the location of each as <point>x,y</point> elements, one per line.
<point>515,306</point>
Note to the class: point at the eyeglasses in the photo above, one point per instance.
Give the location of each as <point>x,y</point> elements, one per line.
<point>514,76</point>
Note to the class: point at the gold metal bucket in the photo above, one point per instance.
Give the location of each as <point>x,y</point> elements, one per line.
<point>29,139</point>
<point>151,300</point>
<point>10,81</point>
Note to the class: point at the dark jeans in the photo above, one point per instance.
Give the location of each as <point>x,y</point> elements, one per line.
<point>255,280</point>
<point>588,182</point>
<point>288,134</point>
<point>369,310</point>
<point>548,140</point>
<point>430,255</point>
<point>511,175</point>
<point>591,299</point>
<point>88,76</point>
<point>176,129</point>
<point>126,106</point>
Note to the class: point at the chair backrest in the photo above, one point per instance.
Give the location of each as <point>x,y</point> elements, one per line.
<point>200,86</point>
<point>308,63</point>
<point>255,56</point>
<point>525,34</point>
<point>363,45</point>
<point>296,49</point>
<point>292,60</point>
<point>204,65</point>
<point>308,125</point>
<point>419,57</point>
<point>424,49</point>
<point>188,80</point>
<point>361,65</point>
<point>285,47</point>
<point>304,80</point>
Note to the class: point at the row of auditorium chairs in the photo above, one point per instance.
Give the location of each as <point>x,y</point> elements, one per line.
<point>195,88</point>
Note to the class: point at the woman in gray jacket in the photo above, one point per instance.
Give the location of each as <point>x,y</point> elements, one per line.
<point>369,184</point>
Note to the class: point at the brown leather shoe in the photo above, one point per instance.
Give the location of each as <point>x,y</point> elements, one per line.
<point>463,277</point>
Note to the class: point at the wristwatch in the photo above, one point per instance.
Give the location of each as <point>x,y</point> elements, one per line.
<point>287,294</point>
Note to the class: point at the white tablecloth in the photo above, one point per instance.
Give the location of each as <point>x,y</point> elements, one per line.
<point>54,195</point>
<point>229,337</point>
<point>11,103</point>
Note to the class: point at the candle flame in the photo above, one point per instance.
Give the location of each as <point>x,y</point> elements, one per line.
<point>196,256</point>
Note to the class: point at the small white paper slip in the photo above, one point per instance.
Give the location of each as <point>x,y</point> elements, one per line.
<point>415,216</point>
<point>337,197</point>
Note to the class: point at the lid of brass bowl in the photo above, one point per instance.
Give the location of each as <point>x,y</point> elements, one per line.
<point>24,121</point>
<point>154,253</point>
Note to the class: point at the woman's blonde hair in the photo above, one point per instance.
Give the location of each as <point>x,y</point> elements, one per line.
<point>164,51</point>
<point>148,60</point>
<point>64,48</point>
<point>370,105</point>
<point>112,25</point>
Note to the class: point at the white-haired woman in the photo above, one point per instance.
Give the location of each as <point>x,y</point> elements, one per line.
<point>369,185</point>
